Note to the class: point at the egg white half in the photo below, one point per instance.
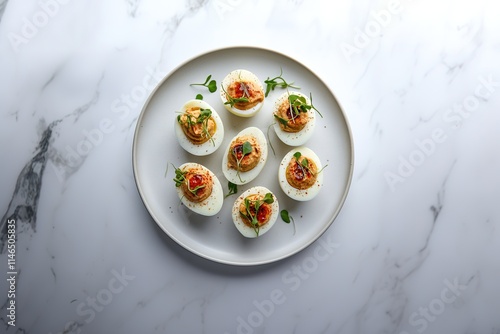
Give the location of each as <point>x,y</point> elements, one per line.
<point>208,147</point>
<point>232,174</point>
<point>294,138</point>
<point>298,194</point>
<point>213,203</point>
<point>246,230</point>
<point>237,75</point>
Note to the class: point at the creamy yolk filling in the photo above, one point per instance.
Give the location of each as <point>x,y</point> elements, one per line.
<point>197,132</point>
<point>245,89</point>
<point>246,162</point>
<point>198,185</point>
<point>294,122</point>
<point>263,215</point>
<point>301,173</point>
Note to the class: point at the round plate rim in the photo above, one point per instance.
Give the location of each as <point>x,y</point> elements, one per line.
<point>201,254</point>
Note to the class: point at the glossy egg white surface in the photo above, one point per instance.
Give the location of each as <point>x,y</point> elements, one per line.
<point>231,174</point>
<point>243,228</point>
<point>294,138</point>
<point>213,203</point>
<point>208,147</point>
<point>300,194</point>
<point>237,75</point>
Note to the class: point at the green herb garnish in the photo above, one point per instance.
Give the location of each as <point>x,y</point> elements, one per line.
<point>180,178</point>
<point>210,84</point>
<point>233,188</point>
<point>268,199</point>
<point>231,100</point>
<point>281,120</point>
<point>304,164</point>
<point>277,81</point>
<point>202,119</point>
<point>299,104</point>
<point>199,97</point>
<point>312,106</point>
<point>287,218</point>
<point>195,190</point>
<point>246,149</point>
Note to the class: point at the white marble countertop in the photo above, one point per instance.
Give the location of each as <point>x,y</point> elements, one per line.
<point>414,249</point>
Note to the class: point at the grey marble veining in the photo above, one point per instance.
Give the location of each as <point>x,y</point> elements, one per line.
<point>23,206</point>
<point>3,4</point>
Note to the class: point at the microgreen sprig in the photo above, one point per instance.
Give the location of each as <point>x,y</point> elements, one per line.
<point>232,100</point>
<point>286,217</point>
<point>205,115</point>
<point>245,150</point>
<point>210,84</point>
<point>180,178</point>
<point>299,104</point>
<point>202,119</point>
<point>277,81</point>
<point>268,198</point>
<point>233,189</point>
<point>281,120</point>
<point>312,106</point>
<point>304,164</point>
<point>195,190</point>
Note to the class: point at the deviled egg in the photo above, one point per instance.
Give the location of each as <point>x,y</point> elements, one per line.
<point>255,212</point>
<point>300,174</point>
<point>294,118</point>
<point>198,128</point>
<point>199,189</point>
<point>245,156</point>
<point>242,93</point>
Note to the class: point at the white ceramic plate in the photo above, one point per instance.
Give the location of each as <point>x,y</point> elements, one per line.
<point>216,238</point>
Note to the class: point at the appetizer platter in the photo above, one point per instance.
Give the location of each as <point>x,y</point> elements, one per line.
<point>243,156</point>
